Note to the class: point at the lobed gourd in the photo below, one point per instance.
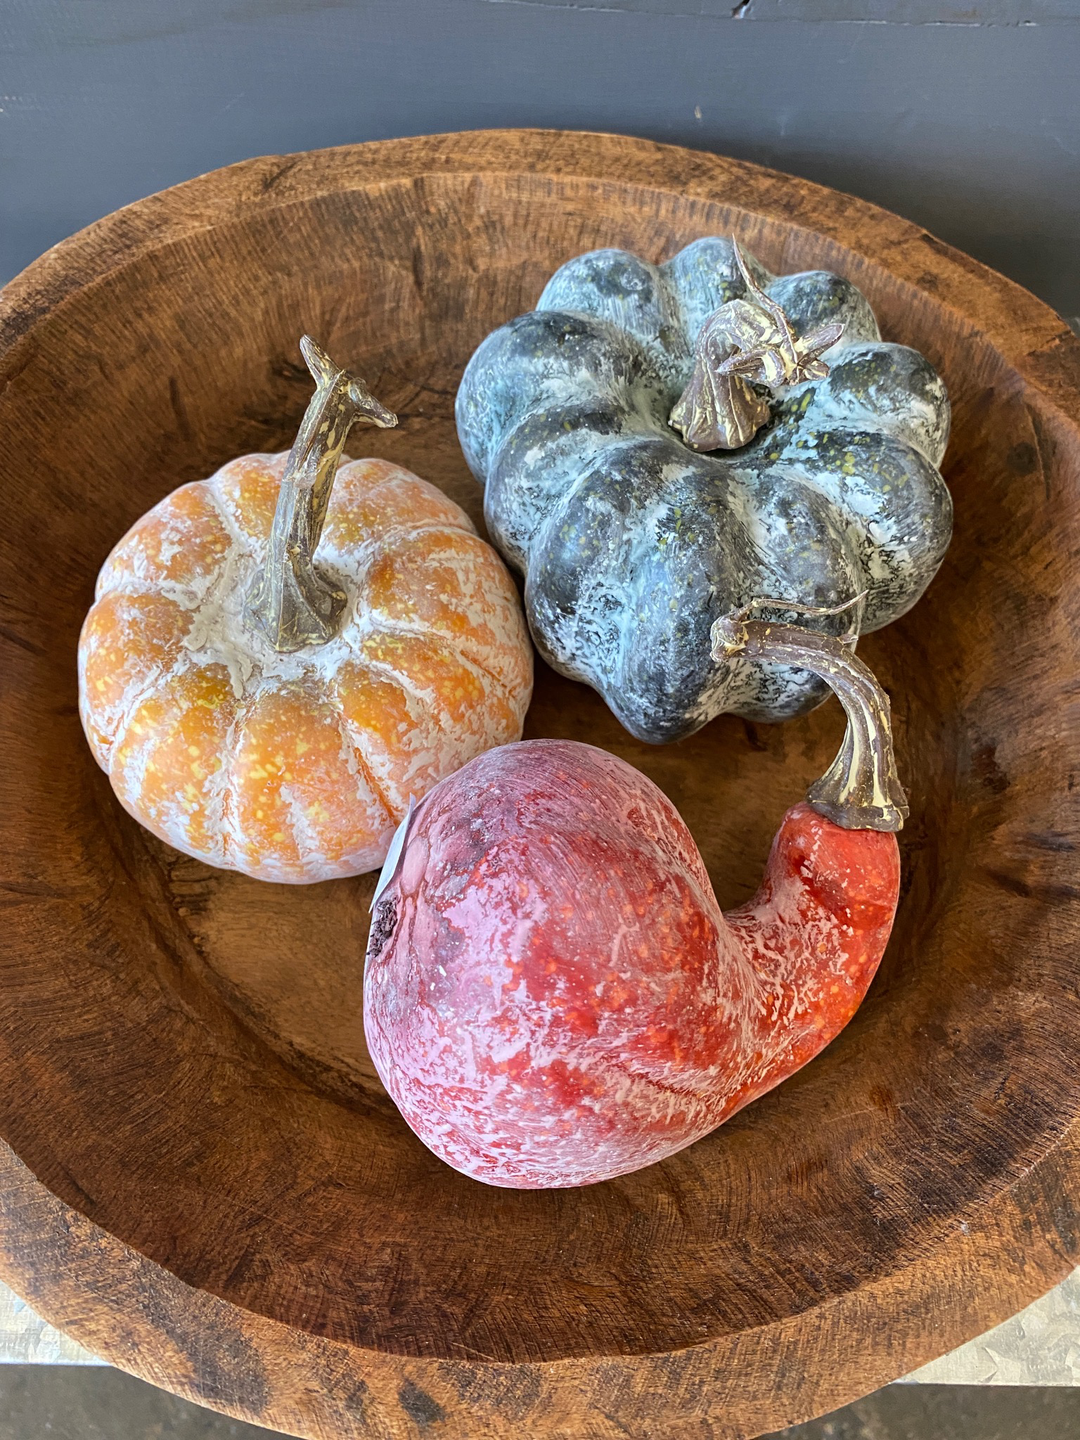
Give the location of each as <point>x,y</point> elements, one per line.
<point>633,543</point>
<point>280,657</point>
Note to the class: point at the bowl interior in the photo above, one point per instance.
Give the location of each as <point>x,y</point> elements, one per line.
<point>200,1034</point>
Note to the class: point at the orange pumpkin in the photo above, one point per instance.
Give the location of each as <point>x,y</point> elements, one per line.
<point>272,715</point>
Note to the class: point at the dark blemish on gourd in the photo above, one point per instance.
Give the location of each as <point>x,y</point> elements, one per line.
<point>382,926</point>
<point>420,1407</point>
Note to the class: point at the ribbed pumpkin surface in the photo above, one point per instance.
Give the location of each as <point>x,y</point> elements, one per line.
<point>298,767</point>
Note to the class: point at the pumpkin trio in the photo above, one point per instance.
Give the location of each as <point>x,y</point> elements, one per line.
<point>282,660</point>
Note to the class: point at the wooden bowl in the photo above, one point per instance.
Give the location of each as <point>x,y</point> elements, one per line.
<point>202,1179</point>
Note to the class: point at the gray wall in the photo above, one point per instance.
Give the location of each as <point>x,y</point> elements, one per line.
<point>963,115</point>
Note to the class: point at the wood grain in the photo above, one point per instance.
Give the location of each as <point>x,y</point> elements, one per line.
<point>203,1181</point>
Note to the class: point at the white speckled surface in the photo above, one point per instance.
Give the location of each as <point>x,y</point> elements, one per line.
<point>1040,1346</point>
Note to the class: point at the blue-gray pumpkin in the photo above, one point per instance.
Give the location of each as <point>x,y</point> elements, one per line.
<point>633,544</point>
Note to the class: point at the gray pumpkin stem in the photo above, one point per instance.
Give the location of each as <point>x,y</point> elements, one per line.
<point>746,350</point>
<point>861,789</point>
<point>291,601</point>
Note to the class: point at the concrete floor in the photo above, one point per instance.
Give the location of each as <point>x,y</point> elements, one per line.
<point>52,1402</point>
<point>72,1402</point>
<point>951,1412</point>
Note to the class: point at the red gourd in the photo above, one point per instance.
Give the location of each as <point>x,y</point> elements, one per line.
<point>552,994</point>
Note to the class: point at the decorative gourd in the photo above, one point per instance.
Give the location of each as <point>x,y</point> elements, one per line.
<point>273,713</point>
<point>552,995</point>
<point>632,541</point>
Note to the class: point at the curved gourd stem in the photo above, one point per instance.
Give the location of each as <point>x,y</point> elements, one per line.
<point>291,601</point>
<point>861,789</point>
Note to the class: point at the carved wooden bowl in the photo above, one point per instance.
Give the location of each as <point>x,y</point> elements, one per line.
<point>202,1180</point>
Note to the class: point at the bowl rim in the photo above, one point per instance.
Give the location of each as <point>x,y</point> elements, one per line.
<point>142,1318</point>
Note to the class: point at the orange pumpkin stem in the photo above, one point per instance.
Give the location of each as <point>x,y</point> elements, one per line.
<point>292,602</point>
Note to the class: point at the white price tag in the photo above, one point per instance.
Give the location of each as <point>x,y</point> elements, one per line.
<point>393,855</point>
